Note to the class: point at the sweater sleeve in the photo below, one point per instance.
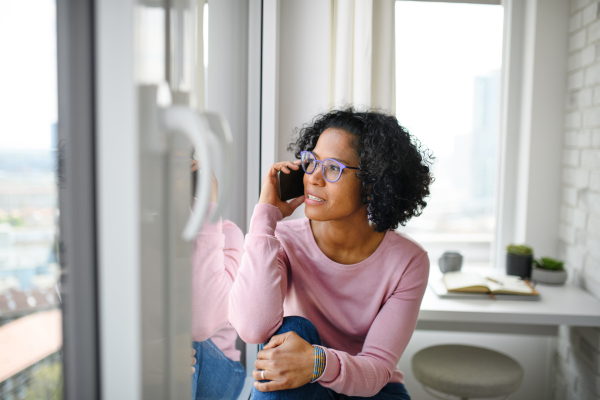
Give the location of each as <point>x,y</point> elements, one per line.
<point>216,255</point>
<point>369,371</point>
<point>256,298</point>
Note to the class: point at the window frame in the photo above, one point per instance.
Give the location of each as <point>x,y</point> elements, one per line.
<point>532,93</point>
<point>500,229</point>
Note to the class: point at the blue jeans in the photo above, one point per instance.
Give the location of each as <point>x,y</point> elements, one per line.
<point>216,377</point>
<point>314,391</point>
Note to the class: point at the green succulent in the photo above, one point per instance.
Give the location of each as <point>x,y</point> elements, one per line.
<point>549,263</point>
<point>521,249</point>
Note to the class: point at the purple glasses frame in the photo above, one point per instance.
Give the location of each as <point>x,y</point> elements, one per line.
<point>342,166</point>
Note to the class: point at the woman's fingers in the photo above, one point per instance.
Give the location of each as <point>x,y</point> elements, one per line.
<point>262,364</point>
<point>296,202</point>
<point>258,375</point>
<point>264,355</point>
<point>285,166</point>
<point>275,341</point>
<point>270,386</point>
<point>270,189</point>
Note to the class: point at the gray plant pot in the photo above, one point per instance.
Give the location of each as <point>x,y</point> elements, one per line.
<point>548,276</point>
<point>518,265</point>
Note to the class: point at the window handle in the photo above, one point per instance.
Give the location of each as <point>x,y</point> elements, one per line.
<point>195,126</point>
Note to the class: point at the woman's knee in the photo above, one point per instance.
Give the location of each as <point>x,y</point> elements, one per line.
<point>303,328</point>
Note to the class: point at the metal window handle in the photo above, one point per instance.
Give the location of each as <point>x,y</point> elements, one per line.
<point>220,128</point>
<point>196,128</point>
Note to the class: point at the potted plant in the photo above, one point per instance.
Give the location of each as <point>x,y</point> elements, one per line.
<point>549,270</point>
<point>519,259</point>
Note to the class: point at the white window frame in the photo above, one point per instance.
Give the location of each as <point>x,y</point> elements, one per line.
<point>496,256</point>
<point>531,126</point>
<point>533,89</point>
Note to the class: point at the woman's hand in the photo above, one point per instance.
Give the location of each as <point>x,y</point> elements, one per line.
<point>288,362</point>
<point>270,188</point>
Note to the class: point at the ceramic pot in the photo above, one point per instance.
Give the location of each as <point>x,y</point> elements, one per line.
<point>549,276</point>
<point>519,265</point>
<point>450,261</point>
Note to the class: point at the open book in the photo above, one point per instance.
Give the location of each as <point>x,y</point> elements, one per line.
<point>472,282</point>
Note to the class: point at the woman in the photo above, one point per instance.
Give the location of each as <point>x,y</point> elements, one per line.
<point>335,296</point>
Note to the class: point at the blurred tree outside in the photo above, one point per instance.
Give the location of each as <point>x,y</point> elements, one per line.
<point>46,383</point>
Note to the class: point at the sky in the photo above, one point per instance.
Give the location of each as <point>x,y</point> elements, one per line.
<point>440,48</point>
<point>28,100</point>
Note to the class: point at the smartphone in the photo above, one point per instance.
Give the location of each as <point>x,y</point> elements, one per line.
<point>291,185</point>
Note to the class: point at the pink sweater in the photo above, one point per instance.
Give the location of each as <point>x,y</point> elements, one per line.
<point>216,254</point>
<point>365,313</point>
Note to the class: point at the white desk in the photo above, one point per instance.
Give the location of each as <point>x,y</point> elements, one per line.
<point>567,304</point>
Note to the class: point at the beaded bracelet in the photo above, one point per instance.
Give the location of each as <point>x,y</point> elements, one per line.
<point>319,363</point>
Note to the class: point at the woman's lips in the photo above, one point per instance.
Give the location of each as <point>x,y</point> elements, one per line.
<point>313,200</point>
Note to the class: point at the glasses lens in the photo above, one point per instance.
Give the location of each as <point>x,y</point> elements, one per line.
<point>308,162</point>
<point>331,170</point>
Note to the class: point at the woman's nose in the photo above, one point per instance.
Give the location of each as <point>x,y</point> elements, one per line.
<point>316,178</point>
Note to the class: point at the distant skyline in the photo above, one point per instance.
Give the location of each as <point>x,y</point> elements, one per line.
<point>447,45</point>
<point>28,99</point>
<point>448,58</point>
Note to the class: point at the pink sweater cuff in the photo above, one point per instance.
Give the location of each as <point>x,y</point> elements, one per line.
<point>332,367</point>
<point>264,219</point>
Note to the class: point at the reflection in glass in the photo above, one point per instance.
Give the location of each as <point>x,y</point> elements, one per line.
<point>30,311</point>
<point>171,53</point>
<point>216,256</point>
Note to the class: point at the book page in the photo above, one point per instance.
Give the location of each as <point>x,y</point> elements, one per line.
<point>462,280</point>
<point>510,284</point>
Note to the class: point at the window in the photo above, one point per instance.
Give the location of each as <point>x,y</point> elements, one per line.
<point>448,61</point>
<point>30,313</point>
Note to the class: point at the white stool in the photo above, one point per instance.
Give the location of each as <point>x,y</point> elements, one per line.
<point>466,371</point>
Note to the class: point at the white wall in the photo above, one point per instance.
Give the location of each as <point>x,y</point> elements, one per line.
<point>533,92</point>
<point>304,51</point>
<point>577,359</point>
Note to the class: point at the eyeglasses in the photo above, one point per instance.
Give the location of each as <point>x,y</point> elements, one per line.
<point>330,168</point>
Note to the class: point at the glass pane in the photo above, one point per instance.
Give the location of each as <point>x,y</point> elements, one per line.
<point>30,311</point>
<point>448,60</point>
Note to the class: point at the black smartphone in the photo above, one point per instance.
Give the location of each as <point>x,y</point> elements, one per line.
<point>291,185</point>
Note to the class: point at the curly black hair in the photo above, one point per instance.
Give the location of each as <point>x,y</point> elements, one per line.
<point>394,166</point>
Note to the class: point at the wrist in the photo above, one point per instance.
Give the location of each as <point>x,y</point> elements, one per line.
<point>319,363</point>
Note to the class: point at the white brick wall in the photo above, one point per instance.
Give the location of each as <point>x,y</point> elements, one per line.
<point>577,359</point>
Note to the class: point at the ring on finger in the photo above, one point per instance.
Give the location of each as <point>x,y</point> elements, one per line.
<point>262,374</point>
